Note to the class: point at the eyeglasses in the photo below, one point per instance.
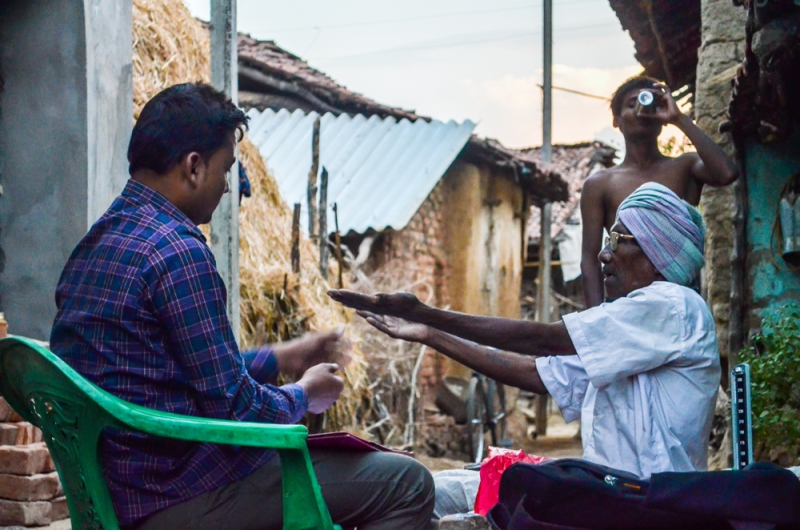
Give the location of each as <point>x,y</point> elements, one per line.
<point>613,240</point>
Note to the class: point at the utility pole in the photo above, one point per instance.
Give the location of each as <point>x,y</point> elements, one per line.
<point>225,223</point>
<point>547,85</point>
<point>545,243</point>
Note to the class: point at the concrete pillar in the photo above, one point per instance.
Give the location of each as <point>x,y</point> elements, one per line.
<point>65,122</point>
<point>225,223</point>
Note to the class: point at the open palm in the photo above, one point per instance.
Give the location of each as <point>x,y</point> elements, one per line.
<point>397,304</point>
<point>397,328</point>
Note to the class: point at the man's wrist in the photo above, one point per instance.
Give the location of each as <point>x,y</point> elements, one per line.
<point>286,358</point>
<point>681,121</point>
<point>432,338</point>
<point>419,313</point>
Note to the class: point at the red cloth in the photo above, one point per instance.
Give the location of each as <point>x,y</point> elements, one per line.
<point>492,469</point>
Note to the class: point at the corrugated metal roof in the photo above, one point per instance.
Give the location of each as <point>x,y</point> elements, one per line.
<point>380,171</point>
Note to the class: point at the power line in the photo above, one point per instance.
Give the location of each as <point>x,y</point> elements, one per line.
<point>578,92</point>
<point>417,18</point>
<point>462,43</point>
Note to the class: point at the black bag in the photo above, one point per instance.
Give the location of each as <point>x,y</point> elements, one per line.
<point>572,494</point>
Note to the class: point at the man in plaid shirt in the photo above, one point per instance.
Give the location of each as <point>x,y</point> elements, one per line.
<point>142,314</point>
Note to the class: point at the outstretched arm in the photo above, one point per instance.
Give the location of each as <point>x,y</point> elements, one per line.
<point>521,336</point>
<point>507,368</point>
<point>592,216</point>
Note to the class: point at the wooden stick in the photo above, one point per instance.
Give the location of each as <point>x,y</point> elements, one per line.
<point>323,224</point>
<point>312,181</point>
<point>408,436</point>
<point>338,240</point>
<point>543,301</point>
<point>296,239</point>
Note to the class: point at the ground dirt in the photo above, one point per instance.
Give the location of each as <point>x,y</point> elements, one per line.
<point>562,441</point>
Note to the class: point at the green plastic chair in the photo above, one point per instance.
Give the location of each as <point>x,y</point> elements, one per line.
<point>72,413</point>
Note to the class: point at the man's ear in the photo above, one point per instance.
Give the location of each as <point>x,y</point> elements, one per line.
<point>655,272</point>
<point>615,122</point>
<point>192,168</point>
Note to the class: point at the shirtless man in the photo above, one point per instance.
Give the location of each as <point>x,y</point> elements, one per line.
<point>686,174</point>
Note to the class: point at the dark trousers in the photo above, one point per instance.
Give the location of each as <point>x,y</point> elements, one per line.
<point>370,491</point>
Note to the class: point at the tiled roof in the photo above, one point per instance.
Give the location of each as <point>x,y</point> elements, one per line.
<point>272,78</point>
<point>666,34</point>
<point>574,163</point>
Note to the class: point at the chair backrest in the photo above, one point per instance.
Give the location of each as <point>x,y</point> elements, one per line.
<point>48,393</point>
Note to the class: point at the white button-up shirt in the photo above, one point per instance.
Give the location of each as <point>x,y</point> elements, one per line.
<point>644,382</point>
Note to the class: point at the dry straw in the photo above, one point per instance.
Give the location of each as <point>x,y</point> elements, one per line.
<point>169,47</point>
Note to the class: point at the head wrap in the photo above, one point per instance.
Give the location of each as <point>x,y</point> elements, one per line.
<point>669,231</point>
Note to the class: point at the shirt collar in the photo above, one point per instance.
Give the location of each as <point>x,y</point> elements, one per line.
<point>145,196</point>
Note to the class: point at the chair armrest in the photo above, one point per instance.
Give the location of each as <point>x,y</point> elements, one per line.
<point>169,425</point>
<point>197,429</point>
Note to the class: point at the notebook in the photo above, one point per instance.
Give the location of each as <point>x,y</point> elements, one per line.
<point>348,442</point>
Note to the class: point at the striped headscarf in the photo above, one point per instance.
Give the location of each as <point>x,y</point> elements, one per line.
<point>669,231</point>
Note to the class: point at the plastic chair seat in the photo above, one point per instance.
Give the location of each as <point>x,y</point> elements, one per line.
<point>72,413</point>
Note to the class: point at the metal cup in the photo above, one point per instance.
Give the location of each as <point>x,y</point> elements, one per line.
<point>645,102</point>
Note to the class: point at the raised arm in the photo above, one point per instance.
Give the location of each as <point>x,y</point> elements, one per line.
<point>592,215</point>
<point>710,164</point>
<point>521,336</point>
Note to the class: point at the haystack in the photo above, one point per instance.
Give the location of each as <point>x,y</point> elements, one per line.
<point>170,47</point>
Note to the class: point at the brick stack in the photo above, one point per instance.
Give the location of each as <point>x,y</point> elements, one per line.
<point>30,490</point>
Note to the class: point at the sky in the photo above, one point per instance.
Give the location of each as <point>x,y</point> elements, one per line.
<point>458,59</point>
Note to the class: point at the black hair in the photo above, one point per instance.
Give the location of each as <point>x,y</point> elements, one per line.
<point>192,117</point>
<point>634,83</point>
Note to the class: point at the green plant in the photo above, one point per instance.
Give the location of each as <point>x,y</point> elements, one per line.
<point>774,359</point>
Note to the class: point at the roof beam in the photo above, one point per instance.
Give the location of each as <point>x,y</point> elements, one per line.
<point>662,51</point>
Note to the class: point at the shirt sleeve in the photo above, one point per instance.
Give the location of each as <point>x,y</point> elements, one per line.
<point>566,382</point>
<point>261,365</point>
<point>188,298</point>
<point>626,337</point>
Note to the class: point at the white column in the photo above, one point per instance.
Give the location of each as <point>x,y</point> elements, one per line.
<point>225,223</point>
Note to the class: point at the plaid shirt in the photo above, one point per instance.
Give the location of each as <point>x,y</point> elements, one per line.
<point>142,314</point>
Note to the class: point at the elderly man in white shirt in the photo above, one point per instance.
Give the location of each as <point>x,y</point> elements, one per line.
<point>641,371</point>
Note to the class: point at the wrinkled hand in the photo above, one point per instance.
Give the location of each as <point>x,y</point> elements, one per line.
<point>399,304</point>
<point>298,355</point>
<point>667,110</point>
<point>322,386</point>
<point>397,328</point>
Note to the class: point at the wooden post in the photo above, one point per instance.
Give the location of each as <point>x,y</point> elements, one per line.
<point>296,239</point>
<point>338,241</point>
<point>312,181</point>
<point>738,274</point>
<point>545,245</point>
<point>323,223</point>
<point>225,223</point>
<point>543,301</point>
<point>523,215</point>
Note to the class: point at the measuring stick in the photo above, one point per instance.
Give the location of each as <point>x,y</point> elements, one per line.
<point>741,410</point>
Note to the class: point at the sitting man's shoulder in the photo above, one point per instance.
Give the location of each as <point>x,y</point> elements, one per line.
<point>684,303</point>
<point>163,240</point>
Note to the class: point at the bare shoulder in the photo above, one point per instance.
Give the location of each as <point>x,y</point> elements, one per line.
<point>686,160</point>
<point>598,181</point>
<point>595,191</point>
